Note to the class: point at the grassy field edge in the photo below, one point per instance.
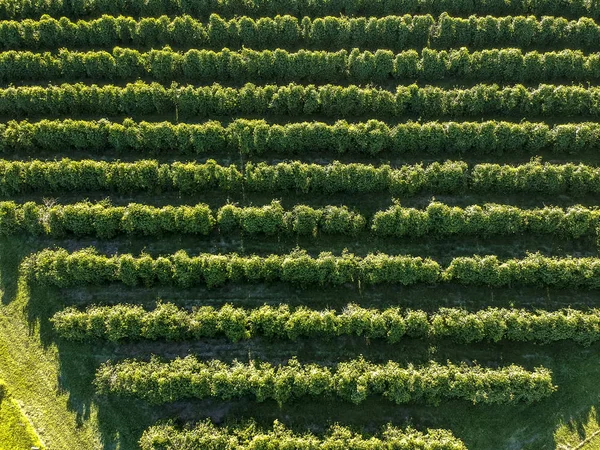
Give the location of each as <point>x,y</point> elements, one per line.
<point>31,372</point>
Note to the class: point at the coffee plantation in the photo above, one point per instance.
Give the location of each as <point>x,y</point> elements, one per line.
<point>299,224</point>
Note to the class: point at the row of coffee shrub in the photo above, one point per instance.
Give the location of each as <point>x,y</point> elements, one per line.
<point>323,33</point>
<point>23,9</point>
<point>60,268</point>
<point>105,221</point>
<point>18,177</point>
<point>139,99</point>
<point>352,381</point>
<point>502,65</point>
<point>257,137</point>
<point>205,435</point>
<point>168,322</point>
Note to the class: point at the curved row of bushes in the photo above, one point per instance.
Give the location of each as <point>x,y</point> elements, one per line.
<point>205,435</point>
<point>168,322</point>
<point>391,32</point>
<point>504,65</point>
<point>138,99</point>
<point>257,137</point>
<point>23,9</point>
<point>60,268</point>
<point>105,221</point>
<point>353,381</point>
<point>17,177</point>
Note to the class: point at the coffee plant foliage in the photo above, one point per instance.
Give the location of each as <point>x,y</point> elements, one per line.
<point>393,32</point>
<point>318,66</point>
<point>34,9</point>
<point>104,220</point>
<point>166,436</point>
<point>352,381</point>
<point>168,322</point>
<point>293,100</point>
<point>258,137</point>
<point>60,268</point>
<point>65,175</point>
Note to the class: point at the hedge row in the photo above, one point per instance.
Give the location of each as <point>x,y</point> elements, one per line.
<point>17,177</point>
<point>150,176</point>
<point>257,137</point>
<point>353,381</point>
<point>488,219</point>
<point>391,32</point>
<point>105,221</point>
<point>138,99</point>
<point>167,321</point>
<point>206,435</point>
<point>23,9</point>
<point>508,65</point>
<point>60,268</point>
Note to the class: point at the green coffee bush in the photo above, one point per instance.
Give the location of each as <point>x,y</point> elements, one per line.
<point>292,100</point>
<point>352,381</point>
<point>105,221</point>
<point>255,137</point>
<point>33,9</point>
<point>284,31</point>
<point>205,434</point>
<point>18,177</point>
<point>485,220</point>
<point>165,65</point>
<point>60,268</point>
<point>168,322</point>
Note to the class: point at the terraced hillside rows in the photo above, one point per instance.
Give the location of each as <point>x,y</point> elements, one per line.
<point>307,224</point>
